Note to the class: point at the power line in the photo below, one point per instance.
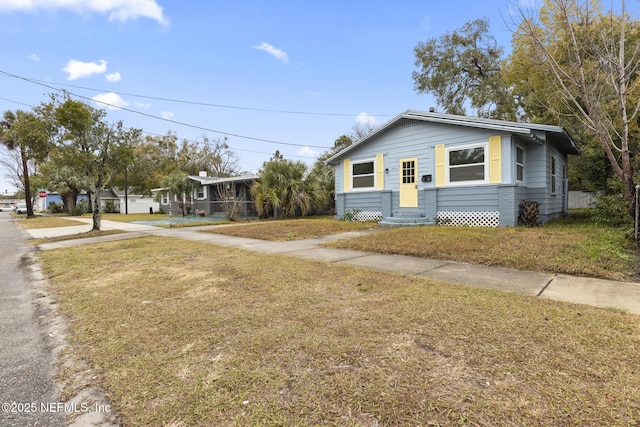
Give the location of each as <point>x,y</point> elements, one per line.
<point>161,118</point>
<point>206,104</point>
<point>17,102</point>
<point>160,135</point>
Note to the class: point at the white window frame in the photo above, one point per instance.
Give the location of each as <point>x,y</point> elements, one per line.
<point>204,193</point>
<point>164,200</point>
<point>524,176</point>
<point>373,174</point>
<point>554,166</point>
<point>485,147</point>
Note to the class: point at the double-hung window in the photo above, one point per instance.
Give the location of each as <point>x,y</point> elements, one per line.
<point>553,175</point>
<point>467,164</point>
<point>201,193</point>
<point>363,175</point>
<point>519,164</point>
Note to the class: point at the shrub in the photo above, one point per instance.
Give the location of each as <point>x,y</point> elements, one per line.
<point>55,208</point>
<point>349,215</point>
<point>110,207</point>
<point>80,208</point>
<point>612,210</point>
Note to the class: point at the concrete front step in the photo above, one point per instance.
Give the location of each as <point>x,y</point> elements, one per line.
<point>401,221</point>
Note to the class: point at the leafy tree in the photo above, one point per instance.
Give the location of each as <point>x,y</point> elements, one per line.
<point>153,158</point>
<point>463,69</point>
<point>217,159</point>
<point>180,185</point>
<point>94,149</point>
<point>285,189</point>
<point>27,134</point>
<point>590,61</point>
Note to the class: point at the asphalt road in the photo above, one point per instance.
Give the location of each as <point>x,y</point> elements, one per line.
<point>26,364</point>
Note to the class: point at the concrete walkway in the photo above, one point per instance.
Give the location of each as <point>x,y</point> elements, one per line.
<point>595,292</point>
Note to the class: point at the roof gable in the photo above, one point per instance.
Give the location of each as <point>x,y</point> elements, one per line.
<point>536,132</point>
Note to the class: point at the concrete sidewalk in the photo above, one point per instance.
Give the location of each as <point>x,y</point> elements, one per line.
<point>595,292</point>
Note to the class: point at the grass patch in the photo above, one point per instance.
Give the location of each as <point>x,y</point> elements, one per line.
<point>292,229</point>
<point>92,233</point>
<point>47,222</point>
<point>574,246</point>
<point>194,224</point>
<point>185,333</point>
<point>158,217</point>
<point>131,217</point>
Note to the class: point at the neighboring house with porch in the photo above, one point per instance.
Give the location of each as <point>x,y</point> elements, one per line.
<point>427,168</point>
<point>215,196</point>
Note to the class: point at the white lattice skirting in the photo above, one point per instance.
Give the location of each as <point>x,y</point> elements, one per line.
<point>471,219</point>
<point>363,216</point>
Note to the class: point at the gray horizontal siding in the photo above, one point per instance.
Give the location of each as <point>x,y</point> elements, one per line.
<point>411,139</point>
<point>476,198</point>
<point>366,201</point>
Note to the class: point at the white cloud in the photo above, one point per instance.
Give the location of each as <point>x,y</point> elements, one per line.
<point>113,77</point>
<point>110,101</point>
<point>272,50</point>
<point>34,57</point>
<point>365,119</point>
<point>79,69</point>
<point>166,115</point>
<point>307,152</point>
<point>118,10</point>
<point>139,104</point>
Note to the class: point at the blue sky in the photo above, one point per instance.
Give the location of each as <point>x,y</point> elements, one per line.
<point>256,63</point>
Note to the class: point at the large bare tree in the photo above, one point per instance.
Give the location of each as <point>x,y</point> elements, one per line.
<point>590,60</point>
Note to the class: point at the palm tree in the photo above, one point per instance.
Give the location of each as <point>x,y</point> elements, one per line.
<point>180,185</point>
<point>284,188</point>
<point>65,181</point>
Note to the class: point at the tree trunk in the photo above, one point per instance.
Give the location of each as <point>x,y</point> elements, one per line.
<point>96,211</point>
<point>69,201</point>
<point>27,186</point>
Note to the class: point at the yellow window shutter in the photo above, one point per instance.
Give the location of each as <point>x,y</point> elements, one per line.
<point>379,171</point>
<point>346,166</point>
<point>440,167</point>
<point>495,160</point>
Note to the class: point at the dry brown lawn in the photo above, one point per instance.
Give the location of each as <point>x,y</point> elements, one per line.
<point>561,247</point>
<point>575,246</point>
<point>46,222</point>
<point>184,333</point>
<point>291,229</point>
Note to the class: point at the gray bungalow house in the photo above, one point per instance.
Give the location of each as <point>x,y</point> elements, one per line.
<point>216,196</point>
<point>427,168</point>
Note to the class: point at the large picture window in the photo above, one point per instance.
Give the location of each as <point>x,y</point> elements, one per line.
<point>467,164</point>
<point>363,175</point>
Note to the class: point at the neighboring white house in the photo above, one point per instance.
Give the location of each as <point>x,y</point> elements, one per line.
<point>136,203</point>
